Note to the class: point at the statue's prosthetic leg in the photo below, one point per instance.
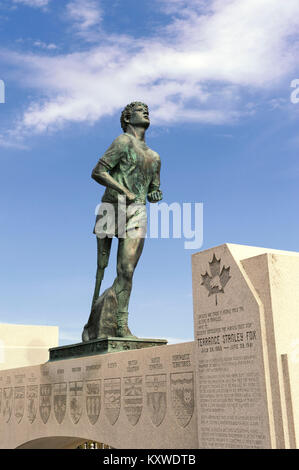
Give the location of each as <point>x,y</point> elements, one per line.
<point>104,248</point>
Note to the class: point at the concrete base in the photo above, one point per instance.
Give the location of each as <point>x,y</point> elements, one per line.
<point>102,346</point>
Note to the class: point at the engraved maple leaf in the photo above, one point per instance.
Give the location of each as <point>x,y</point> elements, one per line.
<point>215,282</point>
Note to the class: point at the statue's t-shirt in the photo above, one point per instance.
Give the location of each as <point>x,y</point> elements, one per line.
<point>131,163</point>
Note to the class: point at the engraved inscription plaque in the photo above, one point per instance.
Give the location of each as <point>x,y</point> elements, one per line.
<point>231,389</point>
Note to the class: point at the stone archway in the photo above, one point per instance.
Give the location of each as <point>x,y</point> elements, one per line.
<point>63,442</point>
<point>94,445</point>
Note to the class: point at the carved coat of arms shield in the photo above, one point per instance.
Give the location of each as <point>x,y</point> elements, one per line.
<point>45,394</point>
<point>182,396</point>
<point>60,395</point>
<point>32,402</point>
<point>133,398</point>
<point>93,400</point>
<point>156,397</point>
<point>7,403</point>
<point>19,403</point>
<point>112,394</point>
<point>76,400</point>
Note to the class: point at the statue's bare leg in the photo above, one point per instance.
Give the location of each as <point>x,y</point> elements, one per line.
<point>129,251</point>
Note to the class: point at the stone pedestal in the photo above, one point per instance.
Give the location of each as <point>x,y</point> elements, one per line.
<point>102,346</point>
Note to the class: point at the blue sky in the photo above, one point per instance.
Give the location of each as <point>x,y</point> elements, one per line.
<point>216,76</point>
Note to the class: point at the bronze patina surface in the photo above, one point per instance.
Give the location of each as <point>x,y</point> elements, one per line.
<point>130,171</point>
<point>102,346</point>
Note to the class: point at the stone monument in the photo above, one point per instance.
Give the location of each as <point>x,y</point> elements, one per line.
<point>235,386</point>
<point>246,347</point>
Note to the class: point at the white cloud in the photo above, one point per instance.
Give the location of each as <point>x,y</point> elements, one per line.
<point>84,13</point>
<point>44,45</point>
<point>33,3</point>
<point>199,69</point>
<point>12,140</point>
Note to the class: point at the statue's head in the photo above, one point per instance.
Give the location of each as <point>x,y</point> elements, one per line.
<point>135,113</point>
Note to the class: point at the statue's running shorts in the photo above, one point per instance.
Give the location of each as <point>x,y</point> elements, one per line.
<point>121,220</point>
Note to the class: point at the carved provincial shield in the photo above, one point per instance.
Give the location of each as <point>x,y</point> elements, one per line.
<point>19,404</point>
<point>182,396</point>
<point>76,400</point>
<point>93,400</point>
<point>7,403</point>
<point>60,394</point>
<point>156,397</point>
<point>112,393</point>
<point>133,398</point>
<point>32,402</point>
<point>45,402</point>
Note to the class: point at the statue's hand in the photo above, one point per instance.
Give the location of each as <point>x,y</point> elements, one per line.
<point>130,196</point>
<point>155,196</point>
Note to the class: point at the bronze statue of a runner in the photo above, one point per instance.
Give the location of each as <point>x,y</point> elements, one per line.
<point>130,170</point>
